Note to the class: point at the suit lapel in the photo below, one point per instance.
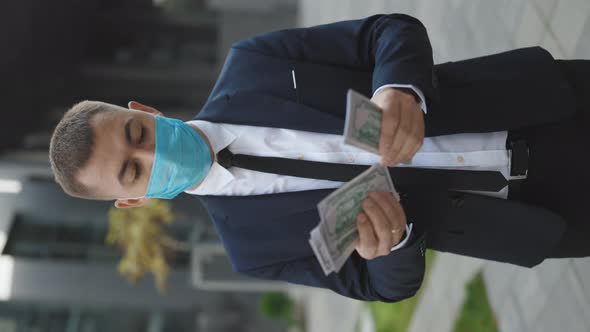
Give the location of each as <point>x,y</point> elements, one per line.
<point>263,110</point>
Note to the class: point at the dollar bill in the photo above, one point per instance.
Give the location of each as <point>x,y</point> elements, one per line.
<point>318,245</point>
<point>363,122</point>
<point>334,238</point>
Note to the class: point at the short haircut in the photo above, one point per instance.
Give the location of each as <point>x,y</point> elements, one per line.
<point>72,144</point>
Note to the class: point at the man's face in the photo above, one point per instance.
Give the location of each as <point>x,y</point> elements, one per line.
<point>123,153</point>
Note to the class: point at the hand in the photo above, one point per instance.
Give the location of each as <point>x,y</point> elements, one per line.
<point>402,126</point>
<point>380,225</point>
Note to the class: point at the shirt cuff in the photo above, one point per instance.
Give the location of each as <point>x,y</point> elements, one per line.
<point>408,86</point>
<point>402,243</point>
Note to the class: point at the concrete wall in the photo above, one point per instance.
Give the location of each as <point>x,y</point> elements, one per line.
<point>9,202</point>
<point>95,285</point>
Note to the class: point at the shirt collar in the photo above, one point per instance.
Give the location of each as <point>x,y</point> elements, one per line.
<point>218,177</point>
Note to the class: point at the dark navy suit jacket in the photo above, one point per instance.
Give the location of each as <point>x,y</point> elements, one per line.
<point>266,236</point>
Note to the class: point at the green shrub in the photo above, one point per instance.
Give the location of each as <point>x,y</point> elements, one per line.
<point>476,314</point>
<point>277,306</point>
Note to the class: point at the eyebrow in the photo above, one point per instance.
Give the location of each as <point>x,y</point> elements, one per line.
<point>128,141</point>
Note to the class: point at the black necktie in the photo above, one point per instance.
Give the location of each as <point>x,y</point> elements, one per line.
<point>403,177</point>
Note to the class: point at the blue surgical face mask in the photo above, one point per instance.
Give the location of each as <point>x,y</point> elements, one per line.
<point>181,159</point>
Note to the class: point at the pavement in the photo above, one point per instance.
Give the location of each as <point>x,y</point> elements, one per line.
<point>554,296</point>
<point>326,311</point>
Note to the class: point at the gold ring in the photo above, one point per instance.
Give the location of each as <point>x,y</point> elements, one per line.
<point>394,230</point>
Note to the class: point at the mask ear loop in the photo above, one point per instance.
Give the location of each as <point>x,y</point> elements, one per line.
<point>139,197</point>
<point>136,197</point>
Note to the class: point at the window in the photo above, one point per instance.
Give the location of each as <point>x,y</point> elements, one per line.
<point>83,241</point>
<point>55,241</point>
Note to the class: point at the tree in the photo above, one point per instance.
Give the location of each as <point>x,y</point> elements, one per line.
<point>140,234</point>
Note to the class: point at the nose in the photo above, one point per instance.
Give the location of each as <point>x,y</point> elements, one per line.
<point>145,154</point>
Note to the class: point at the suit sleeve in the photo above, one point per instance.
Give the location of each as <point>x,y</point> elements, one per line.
<point>388,278</point>
<point>394,47</point>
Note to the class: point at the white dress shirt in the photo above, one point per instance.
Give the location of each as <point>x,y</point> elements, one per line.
<point>481,151</point>
<point>461,151</point>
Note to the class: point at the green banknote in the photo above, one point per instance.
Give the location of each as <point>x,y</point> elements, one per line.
<point>337,230</point>
<point>363,122</point>
<point>343,205</point>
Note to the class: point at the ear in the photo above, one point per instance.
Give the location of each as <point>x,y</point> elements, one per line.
<point>133,105</point>
<point>131,202</point>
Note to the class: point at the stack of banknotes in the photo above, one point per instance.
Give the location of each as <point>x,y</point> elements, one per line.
<point>333,240</point>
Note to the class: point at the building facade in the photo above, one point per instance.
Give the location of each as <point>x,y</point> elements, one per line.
<point>56,273</point>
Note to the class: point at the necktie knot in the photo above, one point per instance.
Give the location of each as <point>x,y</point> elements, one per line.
<point>225,158</point>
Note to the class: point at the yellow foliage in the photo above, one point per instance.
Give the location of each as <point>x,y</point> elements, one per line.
<point>139,233</point>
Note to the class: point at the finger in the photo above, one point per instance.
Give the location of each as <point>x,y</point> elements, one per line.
<point>415,139</point>
<point>367,242</point>
<point>381,225</point>
<point>387,203</point>
<point>398,141</point>
<point>400,215</point>
<point>391,202</point>
<point>411,146</point>
<point>391,208</point>
<point>389,124</point>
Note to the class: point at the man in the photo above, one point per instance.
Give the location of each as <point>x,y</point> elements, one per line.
<point>282,95</point>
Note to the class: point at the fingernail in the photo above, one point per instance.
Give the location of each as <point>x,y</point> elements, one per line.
<point>362,219</point>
